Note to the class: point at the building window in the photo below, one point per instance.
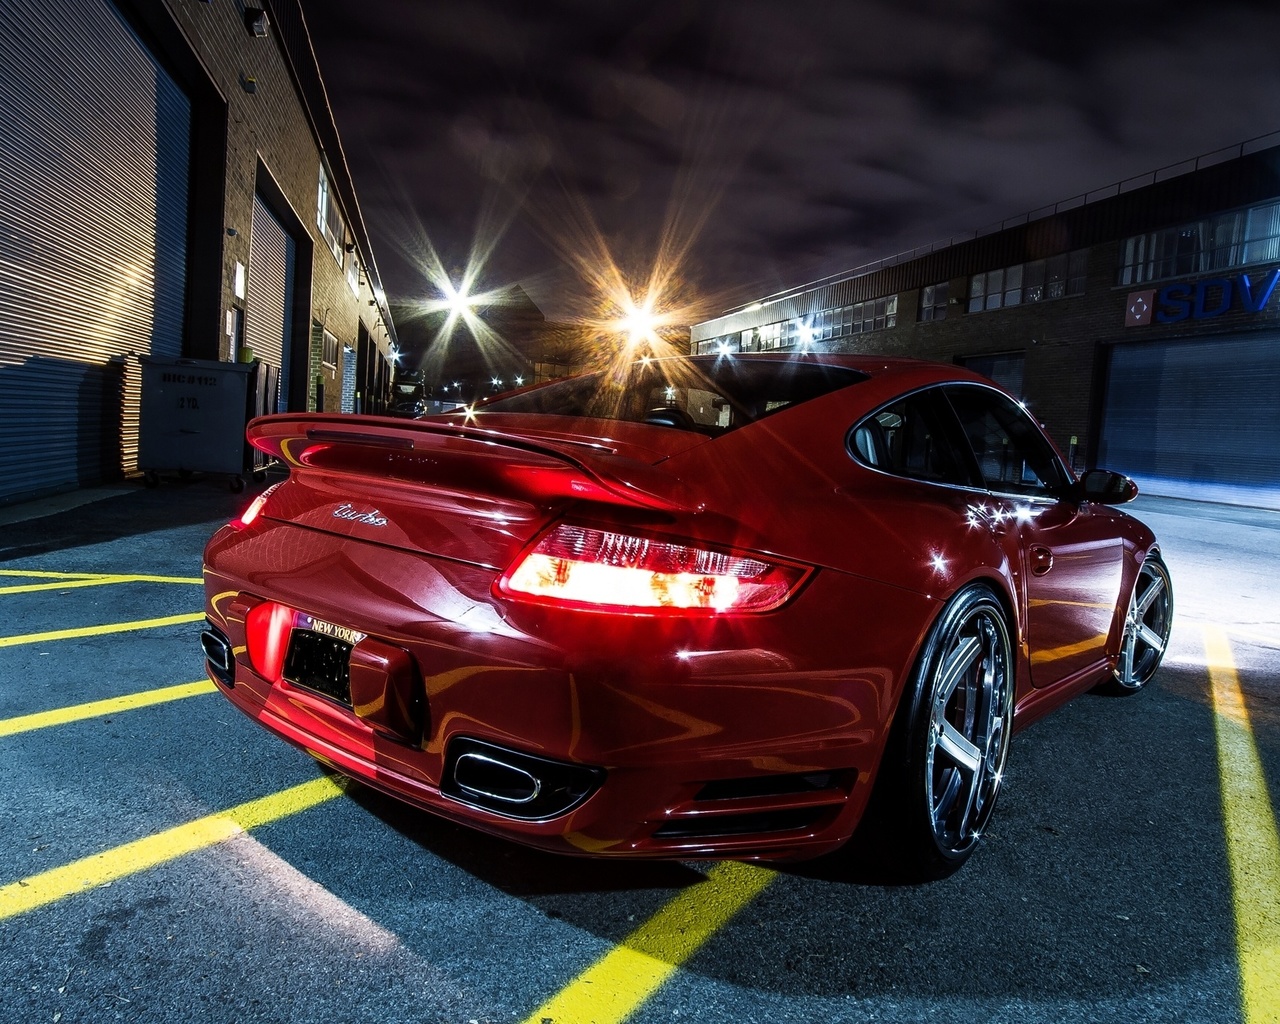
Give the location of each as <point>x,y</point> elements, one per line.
<point>825,325</point>
<point>1235,239</point>
<point>864,317</point>
<point>329,217</point>
<point>769,337</point>
<point>329,351</point>
<point>723,345</point>
<point>353,273</point>
<point>1035,281</point>
<point>1261,235</point>
<point>933,301</point>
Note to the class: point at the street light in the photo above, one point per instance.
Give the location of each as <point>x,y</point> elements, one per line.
<point>457,300</point>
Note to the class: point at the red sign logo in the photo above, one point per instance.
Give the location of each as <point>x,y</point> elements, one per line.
<point>1139,308</point>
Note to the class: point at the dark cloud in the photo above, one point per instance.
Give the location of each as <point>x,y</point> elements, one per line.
<point>781,141</point>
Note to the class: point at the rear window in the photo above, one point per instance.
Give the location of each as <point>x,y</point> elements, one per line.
<point>710,395</point>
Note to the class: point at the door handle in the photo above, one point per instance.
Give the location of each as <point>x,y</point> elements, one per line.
<point>1041,560</point>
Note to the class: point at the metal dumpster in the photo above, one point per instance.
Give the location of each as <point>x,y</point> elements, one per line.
<point>193,416</point>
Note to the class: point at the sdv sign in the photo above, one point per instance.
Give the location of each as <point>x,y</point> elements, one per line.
<point>1213,296</point>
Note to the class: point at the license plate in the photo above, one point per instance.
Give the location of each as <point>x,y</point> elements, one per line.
<point>319,659</point>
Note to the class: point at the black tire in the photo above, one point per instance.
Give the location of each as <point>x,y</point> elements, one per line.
<point>1147,624</point>
<point>944,763</point>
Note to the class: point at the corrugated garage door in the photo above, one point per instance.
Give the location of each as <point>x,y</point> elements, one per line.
<point>94,155</point>
<point>1197,419</point>
<point>268,325</point>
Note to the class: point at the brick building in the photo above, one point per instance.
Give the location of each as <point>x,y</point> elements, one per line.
<point>172,185</point>
<point>1140,323</point>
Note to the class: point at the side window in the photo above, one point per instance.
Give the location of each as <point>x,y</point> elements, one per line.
<point>911,438</point>
<point>1013,455</point>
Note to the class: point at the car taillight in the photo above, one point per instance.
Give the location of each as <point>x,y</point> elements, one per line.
<point>255,507</point>
<point>589,568</point>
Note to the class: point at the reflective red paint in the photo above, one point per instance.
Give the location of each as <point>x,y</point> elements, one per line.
<point>267,628</point>
<point>793,623</point>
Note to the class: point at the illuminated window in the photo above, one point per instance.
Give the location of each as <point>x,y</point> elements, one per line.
<point>1234,239</point>
<point>329,217</point>
<point>353,273</point>
<point>1035,281</point>
<point>1262,235</point>
<point>717,346</point>
<point>933,301</point>
<point>872,315</point>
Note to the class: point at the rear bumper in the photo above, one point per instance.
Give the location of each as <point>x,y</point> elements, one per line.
<point>699,741</point>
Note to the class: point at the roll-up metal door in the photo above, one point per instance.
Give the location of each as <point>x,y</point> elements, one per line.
<point>1005,369</point>
<point>268,326</point>
<point>94,173</point>
<point>1197,418</point>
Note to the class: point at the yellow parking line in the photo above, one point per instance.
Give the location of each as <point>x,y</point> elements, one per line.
<point>1253,847</point>
<point>131,858</point>
<point>618,983</point>
<point>42,574</point>
<point>32,588</point>
<point>38,574</point>
<point>96,708</point>
<point>112,627</point>
<point>94,581</point>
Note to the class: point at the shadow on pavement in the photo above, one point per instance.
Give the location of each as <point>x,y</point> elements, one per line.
<point>132,511</point>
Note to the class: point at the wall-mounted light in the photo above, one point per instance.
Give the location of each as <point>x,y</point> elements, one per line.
<point>350,247</point>
<point>255,20</point>
<point>248,83</point>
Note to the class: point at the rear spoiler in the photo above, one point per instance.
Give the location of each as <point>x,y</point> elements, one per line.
<point>461,457</point>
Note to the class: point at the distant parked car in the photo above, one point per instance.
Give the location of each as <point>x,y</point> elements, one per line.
<point>698,607</point>
<point>408,396</point>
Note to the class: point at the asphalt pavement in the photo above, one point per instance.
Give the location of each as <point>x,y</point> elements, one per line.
<point>1104,890</point>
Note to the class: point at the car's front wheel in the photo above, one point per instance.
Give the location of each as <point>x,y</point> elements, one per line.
<point>1147,623</point>
<point>945,761</point>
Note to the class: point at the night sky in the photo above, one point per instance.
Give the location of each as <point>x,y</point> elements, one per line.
<point>754,146</point>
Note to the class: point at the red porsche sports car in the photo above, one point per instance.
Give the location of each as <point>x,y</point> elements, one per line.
<point>728,606</point>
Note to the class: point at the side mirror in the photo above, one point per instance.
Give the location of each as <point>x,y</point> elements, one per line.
<point>1107,488</point>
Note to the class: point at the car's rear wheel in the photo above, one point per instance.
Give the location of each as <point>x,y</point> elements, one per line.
<point>945,761</point>
<point>1147,623</point>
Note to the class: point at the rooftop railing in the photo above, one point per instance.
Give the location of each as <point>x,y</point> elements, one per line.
<point>1217,156</point>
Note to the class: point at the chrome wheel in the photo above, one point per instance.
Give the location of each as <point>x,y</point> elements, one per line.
<point>1147,624</point>
<point>943,764</point>
<point>970,682</point>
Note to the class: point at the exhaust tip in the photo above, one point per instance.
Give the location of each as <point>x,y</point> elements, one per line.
<point>513,783</point>
<point>479,775</point>
<point>217,653</point>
